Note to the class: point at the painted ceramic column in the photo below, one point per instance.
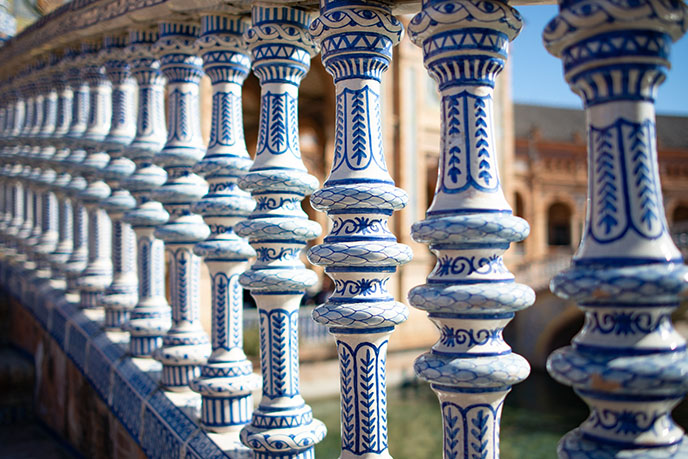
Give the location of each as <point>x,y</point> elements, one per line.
<point>13,227</point>
<point>628,363</point>
<point>49,223</point>
<point>282,425</point>
<point>470,295</point>
<point>227,379</point>
<point>24,149</point>
<point>97,275</point>
<point>122,294</point>
<point>81,109</point>
<point>186,345</point>
<point>36,87</point>
<point>360,253</point>
<point>150,318</point>
<point>63,248</point>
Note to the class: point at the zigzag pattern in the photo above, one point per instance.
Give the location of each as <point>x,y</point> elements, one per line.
<point>605,170</point>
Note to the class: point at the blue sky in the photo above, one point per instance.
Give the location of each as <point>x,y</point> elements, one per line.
<point>538,76</point>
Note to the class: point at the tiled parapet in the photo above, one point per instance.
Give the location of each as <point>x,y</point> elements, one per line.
<point>227,379</point>
<point>470,295</point>
<point>185,345</point>
<point>97,275</point>
<point>628,363</point>
<point>81,108</point>
<point>360,253</point>
<point>150,318</point>
<point>282,425</point>
<point>122,294</point>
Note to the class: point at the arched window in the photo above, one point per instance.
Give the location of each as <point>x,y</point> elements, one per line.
<point>680,215</point>
<point>559,225</point>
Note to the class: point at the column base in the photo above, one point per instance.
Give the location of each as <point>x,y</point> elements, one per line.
<point>116,318</point>
<point>281,433</point>
<point>226,414</point>
<point>146,330</point>
<point>226,390</point>
<point>90,299</point>
<point>575,445</point>
<point>176,378</point>
<point>144,346</point>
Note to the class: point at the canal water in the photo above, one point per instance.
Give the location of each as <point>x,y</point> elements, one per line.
<point>537,413</point>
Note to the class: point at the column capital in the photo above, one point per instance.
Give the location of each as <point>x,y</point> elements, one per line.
<point>613,51</point>
<point>176,48</point>
<point>280,44</point>
<point>223,47</point>
<point>356,38</point>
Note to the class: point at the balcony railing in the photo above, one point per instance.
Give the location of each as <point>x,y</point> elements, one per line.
<point>98,183</point>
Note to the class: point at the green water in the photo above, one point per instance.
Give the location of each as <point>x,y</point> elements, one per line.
<point>537,413</point>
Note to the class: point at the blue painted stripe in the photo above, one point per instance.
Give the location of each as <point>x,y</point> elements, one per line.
<point>469,390</point>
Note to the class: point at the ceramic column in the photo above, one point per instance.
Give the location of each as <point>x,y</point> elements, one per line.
<point>282,425</point>
<point>97,275</point>
<point>58,258</point>
<point>49,223</point>
<point>470,295</point>
<point>122,294</point>
<point>360,253</point>
<point>14,225</point>
<point>23,152</point>
<point>81,108</point>
<point>628,363</point>
<point>150,318</point>
<point>186,345</point>
<point>36,88</point>
<point>227,379</point>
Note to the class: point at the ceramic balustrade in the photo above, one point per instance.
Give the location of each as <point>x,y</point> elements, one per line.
<point>97,275</point>
<point>227,380</point>
<point>360,253</point>
<point>59,257</point>
<point>470,295</point>
<point>150,318</point>
<point>48,236</point>
<point>121,295</point>
<point>277,229</point>
<point>185,345</point>
<point>628,363</point>
<point>81,108</point>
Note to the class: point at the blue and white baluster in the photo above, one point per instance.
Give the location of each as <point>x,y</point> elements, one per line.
<point>5,128</point>
<point>360,253</point>
<point>13,112</point>
<point>49,222</point>
<point>23,263</point>
<point>122,294</point>
<point>63,248</point>
<point>97,275</point>
<point>14,226</point>
<point>186,345</point>
<point>151,316</point>
<point>282,425</point>
<point>227,379</point>
<point>32,153</point>
<point>81,108</point>
<point>628,363</point>
<point>470,295</point>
